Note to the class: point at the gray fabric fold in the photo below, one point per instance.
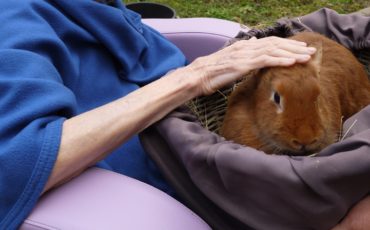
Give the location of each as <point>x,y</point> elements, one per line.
<point>281,192</point>
<point>268,191</point>
<point>351,30</point>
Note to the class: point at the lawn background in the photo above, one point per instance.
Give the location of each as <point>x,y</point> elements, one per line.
<point>257,12</point>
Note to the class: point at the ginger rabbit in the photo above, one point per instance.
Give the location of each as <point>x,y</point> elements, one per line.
<point>298,110</point>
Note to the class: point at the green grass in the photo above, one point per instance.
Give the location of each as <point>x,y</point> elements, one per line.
<point>257,12</point>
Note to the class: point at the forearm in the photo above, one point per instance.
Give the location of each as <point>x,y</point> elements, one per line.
<point>89,137</point>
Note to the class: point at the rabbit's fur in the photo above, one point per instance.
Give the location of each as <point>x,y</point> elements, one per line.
<point>299,109</point>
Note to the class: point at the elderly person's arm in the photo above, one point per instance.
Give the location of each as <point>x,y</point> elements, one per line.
<point>89,137</point>
<point>63,67</point>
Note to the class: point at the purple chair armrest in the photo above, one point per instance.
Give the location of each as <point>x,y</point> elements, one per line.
<point>101,199</point>
<point>196,36</point>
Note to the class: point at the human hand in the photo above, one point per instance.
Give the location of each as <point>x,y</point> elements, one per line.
<point>235,61</point>
<point>358,218</point>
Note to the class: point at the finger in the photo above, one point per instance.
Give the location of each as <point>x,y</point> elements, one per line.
<point>297,49</point>
<point>275,41</point>
<point>287,54</point>
<point>289,45</point>
<point>270,46</point>
<point>274,52</point>
<point>269,61</point>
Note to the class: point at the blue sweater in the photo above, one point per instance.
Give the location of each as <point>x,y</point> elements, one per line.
<point>59,58</point>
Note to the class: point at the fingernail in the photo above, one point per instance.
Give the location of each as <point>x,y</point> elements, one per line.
<point>312,50</point>
<point>304,58</point>
<point>299,43</point>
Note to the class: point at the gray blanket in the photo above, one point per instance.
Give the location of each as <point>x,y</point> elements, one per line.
<point>269,191</point>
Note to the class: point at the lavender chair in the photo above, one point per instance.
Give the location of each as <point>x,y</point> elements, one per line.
<point>100,199</point>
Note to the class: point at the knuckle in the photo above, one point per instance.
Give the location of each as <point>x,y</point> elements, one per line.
<point>244,43</point>
<point>269,48</point>
<point>270,38</point>
<point>233,47</point>
<point>263,59</point>
<point>274,40</point>
<point>197,61</point>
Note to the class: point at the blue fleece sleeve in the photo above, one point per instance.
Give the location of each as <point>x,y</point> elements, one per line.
<point>33,106</point>
<point>60,58</point>
<point>32,110</point>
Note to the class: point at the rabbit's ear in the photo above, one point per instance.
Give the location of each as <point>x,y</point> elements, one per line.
<point>250,82</point>
<point>317,57</point>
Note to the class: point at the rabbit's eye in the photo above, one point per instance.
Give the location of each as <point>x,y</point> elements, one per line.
<point>276,98</point>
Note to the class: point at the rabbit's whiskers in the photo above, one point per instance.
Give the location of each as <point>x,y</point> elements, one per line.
<point>350,127</point>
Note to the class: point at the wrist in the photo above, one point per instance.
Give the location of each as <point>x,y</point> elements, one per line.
<point>188,81</point>
<point>198,73</point>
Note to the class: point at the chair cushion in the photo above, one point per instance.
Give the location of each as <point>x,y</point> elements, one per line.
<point>101,199</point>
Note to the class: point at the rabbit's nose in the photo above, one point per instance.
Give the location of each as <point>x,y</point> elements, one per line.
<point>303,145</point>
